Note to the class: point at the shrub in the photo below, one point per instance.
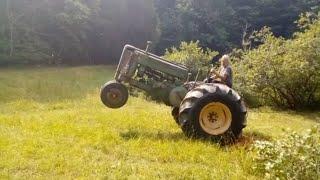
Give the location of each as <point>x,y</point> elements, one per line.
<point>283,72</point>
<point>191,55</point>
<point>295,157</point>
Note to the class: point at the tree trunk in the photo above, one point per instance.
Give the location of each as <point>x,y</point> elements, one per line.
<point>11,39</point>
<point>11,28</point>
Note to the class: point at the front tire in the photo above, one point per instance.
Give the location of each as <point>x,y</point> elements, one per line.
<point>212,111</point>
<point>114,94</point>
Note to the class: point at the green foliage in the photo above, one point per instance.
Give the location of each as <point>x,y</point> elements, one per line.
<point>76,12</point>
<point>294,157</point>
<point>282,72</point>
<point>94,31</point>
<point>73,31</point>
<point>221,24</point>
<point>191,55</point>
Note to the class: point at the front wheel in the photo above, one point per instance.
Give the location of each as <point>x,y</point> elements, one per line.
<point>212,111</point>
<point>114,94</point>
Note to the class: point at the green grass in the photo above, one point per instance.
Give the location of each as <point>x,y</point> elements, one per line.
<point>52,125</point>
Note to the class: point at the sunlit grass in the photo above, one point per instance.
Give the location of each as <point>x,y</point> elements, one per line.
<point>52,125</point>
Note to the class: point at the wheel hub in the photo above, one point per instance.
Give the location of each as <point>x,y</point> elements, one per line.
<point>215,118</point>
<point>212,117</point>
<point>114,96</point>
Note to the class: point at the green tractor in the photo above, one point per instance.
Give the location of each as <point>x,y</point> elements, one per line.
<point>202,110</point>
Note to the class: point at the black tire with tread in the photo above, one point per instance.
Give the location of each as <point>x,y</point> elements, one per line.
<point>175,114</point>
<point>124,94</point>
<point>199,97</point>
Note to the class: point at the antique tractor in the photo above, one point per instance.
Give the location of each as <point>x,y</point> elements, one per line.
<point>202,110</point>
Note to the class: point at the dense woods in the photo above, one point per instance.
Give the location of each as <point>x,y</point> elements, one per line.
<point>73,32</point>
<point>94,31</point>
<point>274,44</point>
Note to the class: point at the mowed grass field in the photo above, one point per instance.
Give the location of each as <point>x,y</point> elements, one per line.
<point>53,125</point>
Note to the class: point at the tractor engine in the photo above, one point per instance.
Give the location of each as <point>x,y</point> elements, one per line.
<point>161,79</point>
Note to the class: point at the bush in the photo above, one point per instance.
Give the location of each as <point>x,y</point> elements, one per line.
<point>283,72</point>
<point>295,157</point>
<point>191,55</point>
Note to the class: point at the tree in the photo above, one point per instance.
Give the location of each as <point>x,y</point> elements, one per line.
<point>94,31</point>
<point>220,24</point>
<point>74,31</point>
<point>191,55</point>
<point>283,72</point>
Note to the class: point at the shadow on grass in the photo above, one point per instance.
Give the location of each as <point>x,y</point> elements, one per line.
<point>249,138</point>
<point>246,140</point>
<point>311,114</point>
<point>134,134</point>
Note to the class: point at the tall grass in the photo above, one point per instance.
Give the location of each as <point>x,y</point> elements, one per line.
<point>53,125</point>
<point>49,84</point>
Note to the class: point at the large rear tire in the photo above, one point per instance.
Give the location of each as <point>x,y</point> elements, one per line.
<point>213,111</point>
<point>114,94</point>
<point>175,114</point>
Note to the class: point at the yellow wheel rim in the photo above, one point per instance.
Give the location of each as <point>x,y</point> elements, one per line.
<point>215,118</point>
